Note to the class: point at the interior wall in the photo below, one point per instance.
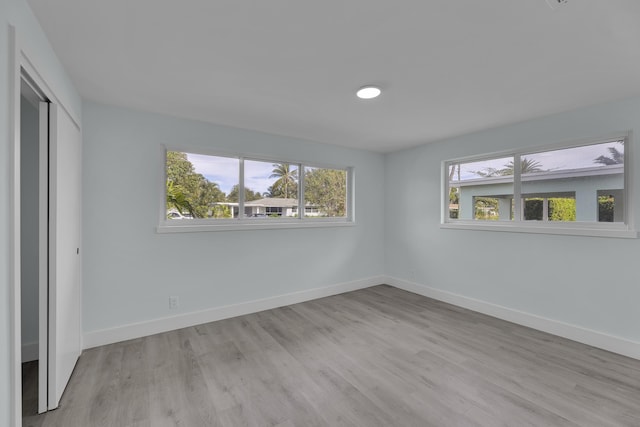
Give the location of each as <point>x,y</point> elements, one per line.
<point>589,282</point>
<point>6,345</point>
<point>130,270</point>
<point>29,181</point>
<point>35,43</point>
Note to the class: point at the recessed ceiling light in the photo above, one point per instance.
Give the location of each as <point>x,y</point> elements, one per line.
<point>368,92</point>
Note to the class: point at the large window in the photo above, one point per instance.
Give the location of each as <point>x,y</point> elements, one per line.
<point>202,189</point>
<point>579,187</point>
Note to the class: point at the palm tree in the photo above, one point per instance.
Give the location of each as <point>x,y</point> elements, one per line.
<point>177,199</point>
<point>617,157</point>
<point>285,186</point>
<point>526,166</point>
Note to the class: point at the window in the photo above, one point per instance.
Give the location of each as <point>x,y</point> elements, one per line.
<point>215,191</point>
<point>560,190</point>
<point>325,192</point>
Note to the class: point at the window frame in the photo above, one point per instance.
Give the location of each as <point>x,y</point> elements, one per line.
<point>166,225</point>
<point>625,229</point>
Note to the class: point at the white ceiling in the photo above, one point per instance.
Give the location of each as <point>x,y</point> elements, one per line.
<point>291,67</point>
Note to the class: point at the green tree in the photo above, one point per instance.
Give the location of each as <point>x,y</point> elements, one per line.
<point>287,184</point>
<point>188,190</point>
<point>526,166</point>
<point>249,195</point>
<point>486,208</point>
<point>221,211</point>
<point>606,206</point>
<point>562,209</point>
<point>177,199</point>
<point>533,209</point>
<point>326,189</point>
<point>559,209</point>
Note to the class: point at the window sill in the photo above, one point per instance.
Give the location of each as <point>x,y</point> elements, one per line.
<point>568,229</point>
<point>236,225</point>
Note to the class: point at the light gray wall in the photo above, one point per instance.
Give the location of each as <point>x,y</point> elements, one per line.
<point>130,271</point>
<point>586,281</point>
<point>18,13</point>
<point>29,177</point>
<point>5,231</point>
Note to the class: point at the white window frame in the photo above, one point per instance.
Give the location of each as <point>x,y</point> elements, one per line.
<point>241,223</point>
<point>577,228</point>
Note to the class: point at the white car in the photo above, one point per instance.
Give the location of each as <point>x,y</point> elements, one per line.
<point>178,215</point>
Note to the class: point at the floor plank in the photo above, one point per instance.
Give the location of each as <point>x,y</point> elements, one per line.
<point>374,357</point>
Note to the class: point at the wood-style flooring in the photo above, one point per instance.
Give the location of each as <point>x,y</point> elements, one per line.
<point>373,357</point>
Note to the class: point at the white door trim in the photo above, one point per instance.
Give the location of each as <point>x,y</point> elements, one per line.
<point>20,59</point>
<point>43,259</point>
<point>52,402</point>
<point>14,269</point>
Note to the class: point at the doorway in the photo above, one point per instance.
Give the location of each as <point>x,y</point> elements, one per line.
<point>34,242</point>
<point>46,219</point>
<point>48,230</point>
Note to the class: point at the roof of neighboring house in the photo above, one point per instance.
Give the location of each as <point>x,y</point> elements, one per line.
<point>273,202</point>
<point>268,202</point>
<point>544,175</point>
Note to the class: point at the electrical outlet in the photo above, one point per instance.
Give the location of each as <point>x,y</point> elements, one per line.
<point>173,303</point>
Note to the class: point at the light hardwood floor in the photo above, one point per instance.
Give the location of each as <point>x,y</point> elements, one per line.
<point>374,357</point>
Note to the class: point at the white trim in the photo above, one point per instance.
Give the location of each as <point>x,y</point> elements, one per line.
<point>46,89</point>
<point>537,227</point>
<point>629,213</point>
<point>14,266</point>
<point>351,194</point>
<point>559,145</point>
<point>576,333</point>
<point>240,225</point>
<point>30,351</point>
<point>518,224</point>
<point>19,58</point>
<point>52,349</point>
<point>142,329</point>
<point>43,258</point>
<point>590,337</point>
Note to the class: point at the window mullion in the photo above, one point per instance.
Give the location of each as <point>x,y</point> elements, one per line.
<point>241,190</point>
<point>350,194</point>
<point>517,188</point>
<point>301,202</point>
<point>445,196</point>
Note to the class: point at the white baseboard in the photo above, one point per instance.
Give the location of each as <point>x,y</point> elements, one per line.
<point>576,333</point>
<point>30,351</point>
<point>165,324</point>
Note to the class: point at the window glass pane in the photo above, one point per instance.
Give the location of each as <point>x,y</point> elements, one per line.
<point>271,190</point>
<point>486,208</point>
<point>481,190</point>
<point>574,183</point>
<point>197,185</point>
<point>454,202</point>
<point>562,209</point>
<point>549,207</point>
<point>610,206</point>
<point>325,192</point>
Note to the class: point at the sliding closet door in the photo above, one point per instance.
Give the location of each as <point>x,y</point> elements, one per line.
<point>65,221</point>
<point>43,260</point>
